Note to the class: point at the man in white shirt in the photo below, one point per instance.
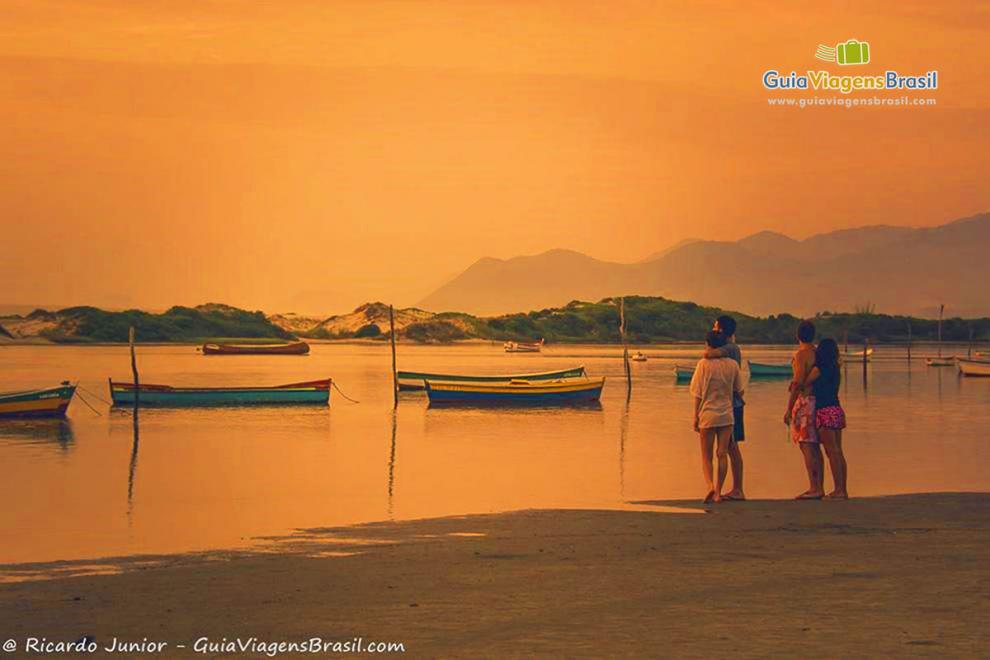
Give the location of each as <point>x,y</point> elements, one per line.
<point>713,385</point>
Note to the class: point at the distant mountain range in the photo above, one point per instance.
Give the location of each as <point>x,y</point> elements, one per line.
<point>898,270</point>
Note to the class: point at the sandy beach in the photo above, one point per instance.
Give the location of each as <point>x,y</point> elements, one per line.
<point>900,575</point>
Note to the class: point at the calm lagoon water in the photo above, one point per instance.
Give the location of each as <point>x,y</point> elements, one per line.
<point>219,478</point>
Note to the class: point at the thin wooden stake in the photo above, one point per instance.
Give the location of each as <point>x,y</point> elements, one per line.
<point>134,370</point>
<point>625,346</point>
<point>395,374</point>
<point>941,309</point>
<point>909,341</point>
<point>969,349</point>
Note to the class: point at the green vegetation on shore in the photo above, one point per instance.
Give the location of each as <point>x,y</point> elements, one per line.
<point>654,319</point>
<point>648,320</point>
<point>178,324</point>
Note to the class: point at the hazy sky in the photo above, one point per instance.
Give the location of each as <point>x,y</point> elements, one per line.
<point>310,156</point>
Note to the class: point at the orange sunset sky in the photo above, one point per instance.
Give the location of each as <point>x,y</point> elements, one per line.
<point>310,156</point>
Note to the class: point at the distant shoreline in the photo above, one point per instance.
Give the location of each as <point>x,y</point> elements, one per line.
<point>978,345</point>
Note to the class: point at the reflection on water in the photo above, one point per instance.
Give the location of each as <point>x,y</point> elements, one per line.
<point>219,478</point>
<point>54,433</point>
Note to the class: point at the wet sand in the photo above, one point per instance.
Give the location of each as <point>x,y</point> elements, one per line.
<point>888,576</point>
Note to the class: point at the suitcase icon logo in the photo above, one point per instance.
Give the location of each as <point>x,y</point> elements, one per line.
<point>852,51</point>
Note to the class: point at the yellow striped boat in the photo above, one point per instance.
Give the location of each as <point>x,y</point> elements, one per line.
<point>517,392</point>
<point>51,402</point>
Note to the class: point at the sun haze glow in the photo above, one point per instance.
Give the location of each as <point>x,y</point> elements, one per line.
<point>310,156</point>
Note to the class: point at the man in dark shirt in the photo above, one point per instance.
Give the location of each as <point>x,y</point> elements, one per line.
<point>727,326</point>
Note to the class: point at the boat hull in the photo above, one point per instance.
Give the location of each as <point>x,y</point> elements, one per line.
<point>759,370</point>
<point>976,368</point>
<point>940,362</point>
<point>52,402</point>
<point>295,348</point>
<point>857,356</point>
<point>683,374</point>
<point>523,347</point>
<point>309,393</point>
<point>564,393</point>
<point>413,380</point>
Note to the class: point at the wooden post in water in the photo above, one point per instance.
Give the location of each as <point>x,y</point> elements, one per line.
<point>941,309</point>
<point>625,346</point>
<point>845,334</point>
<point>969,349</point>
<point>909,341</point>
<point>395,375</point>
<point>134,370</point>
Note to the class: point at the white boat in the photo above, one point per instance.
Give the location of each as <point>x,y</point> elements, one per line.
<point>523,347</point>
<point>638,357</point>
<point>851,356</point>
<point>974,367</point>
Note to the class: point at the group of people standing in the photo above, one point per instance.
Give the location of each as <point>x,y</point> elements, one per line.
<point>814,414</point>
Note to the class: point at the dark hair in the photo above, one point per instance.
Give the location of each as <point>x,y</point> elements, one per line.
<point>715,339</point>
<point>827,354</point>
<point>806,332</point>
<point>726,324</point>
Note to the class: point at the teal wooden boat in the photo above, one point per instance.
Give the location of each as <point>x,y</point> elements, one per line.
<point>316,392</point>
<point>760,370</point>
<point>414,380</point>
<point>50,402</point>
<point>574,391</point>
<point>683,374</point>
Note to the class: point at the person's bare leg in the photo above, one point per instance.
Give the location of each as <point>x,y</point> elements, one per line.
<point>832,441</point>
<point>736,462</point>
<point>707,437</point>
<point>813,464</point>
<point>724,434</point>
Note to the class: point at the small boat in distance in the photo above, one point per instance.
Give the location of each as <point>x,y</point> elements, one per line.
<point>851,356</point>
<point>575,391</point>
<point>523,347</point>
<point>638,357</point>
<point>413,380</point>
<point>683,374</point>
<point>760,370</point>
<point>315,392</point>
<point>294,348</point>
<point>974,367</point>
<point>51,402</point>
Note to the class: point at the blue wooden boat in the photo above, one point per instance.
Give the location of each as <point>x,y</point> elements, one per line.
<point>316,392</point>
<point>414,380</point>
<point>51,402</point>
<point>683,374</point>
<point>575,391</point>
<point>760,370</point>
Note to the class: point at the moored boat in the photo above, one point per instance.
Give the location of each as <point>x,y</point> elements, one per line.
<point>683,374</point>
<point>414,380</point>
<point>850,356</point>
<point>974,367</point>
<point>316,392</point>
<point>523,347</point>
<point>638,357</point>
<point>761,370</point>
<point>940,362</point>
<point>50,402</point>
<point>294,348</point>
<point>574,391</point>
